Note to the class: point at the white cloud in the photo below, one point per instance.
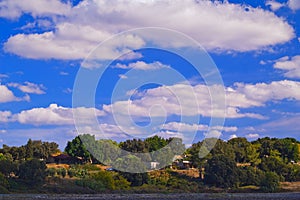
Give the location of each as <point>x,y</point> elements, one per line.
<point>28,87</point>
<point>250,128</point>
<point>55,115</point>
<point>232,136</point>
<point>213,134</point>
<point>274,4</point>
<point>260,93</point>
<point>63,73</point>
<point>68,91</point>
<point>252,136</point>
<point>291,66</point>
<point>294,4</point>
<point>70,41</point>
<point>4,76</point>
<point>140,65</point>
<point>184,100</point>
<point>122,76</point>
<point>286,124</point>
<point>13,9</point>
<point>3,131</point>
<point>77,33</point>
<point>169,134</point>
<point>5,116</point>
<point>6,95</point>
<point>183,127</point>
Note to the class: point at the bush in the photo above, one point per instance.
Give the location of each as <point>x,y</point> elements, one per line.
<point>104,180</point>
<point>3,181</point>
<point>62,172</point>
<point>90,167</point>
<point>51,172</point>
<point>78,171</point>
<point>71,172</point>
<point>92,184</point>
<point>270,182</point>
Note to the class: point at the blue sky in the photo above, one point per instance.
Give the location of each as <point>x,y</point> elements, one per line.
<point>45,45</point>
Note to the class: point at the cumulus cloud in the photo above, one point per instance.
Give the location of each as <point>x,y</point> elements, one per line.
<point>77,33</point>
<point>260,93</point>
<point>28,87</point>
<point>184,100</point>
<point>183,127</point>
<point>8,96</point>
<point>288,124</point>
<point>3,76</point>
<point>13,9</point>
<point>55,115</point>
<point>291,66</point>
<point>5,116</point>
<point>122,76</point>
<point>274,5</point>
<point>140,65</point>
<point>181,99</point>
<point>232,136</point>
<point>70,41</point>
<point>252,136</point>
<point>294,4</point>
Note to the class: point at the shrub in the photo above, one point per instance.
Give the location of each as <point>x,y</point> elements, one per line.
<point>270,182</point>
<point>3,181</point>
<point>71,172</point>
<point>51,172</point>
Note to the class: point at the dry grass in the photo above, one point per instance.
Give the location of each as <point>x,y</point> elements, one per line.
<point>57,166</point>
<point>190,172</point>
<point>291,186</point>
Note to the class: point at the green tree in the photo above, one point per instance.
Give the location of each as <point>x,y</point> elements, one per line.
<point>33,171</point>
<point>106,151</point>
<point>274,164</point>
<point>221,171</point>
<point>4,183</point>
<point>129,166</point>
<point>155,143</point>
<point>249,175</point>
<point>7,167</point>
<point>252,154</point>
<point>239,146</point>
<point>76,148</point>
<point>29,149</point>
<point>270,182</point>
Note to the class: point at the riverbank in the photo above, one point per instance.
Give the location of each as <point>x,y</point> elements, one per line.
<point>194,196</point>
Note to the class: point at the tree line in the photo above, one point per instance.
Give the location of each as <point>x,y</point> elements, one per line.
<point>230,164</point>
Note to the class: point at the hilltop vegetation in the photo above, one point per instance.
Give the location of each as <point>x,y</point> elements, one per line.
<point>234,165</point>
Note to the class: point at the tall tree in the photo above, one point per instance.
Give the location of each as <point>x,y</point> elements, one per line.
<point>77,148</point>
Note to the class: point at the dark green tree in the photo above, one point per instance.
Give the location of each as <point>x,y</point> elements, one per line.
<point>270,182</point>
<point>29,149</point>
<point>221,171</point>
<point>33,171</point>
